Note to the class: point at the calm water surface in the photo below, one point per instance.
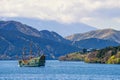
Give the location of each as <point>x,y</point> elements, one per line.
<point>56,70</point>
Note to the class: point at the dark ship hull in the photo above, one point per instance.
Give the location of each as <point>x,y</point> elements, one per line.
<point>33,62</point>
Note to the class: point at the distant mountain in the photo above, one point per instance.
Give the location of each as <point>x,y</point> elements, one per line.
<point>95,43</point>
<point>106,34</point>
<point>63,29</point>
<point>25,29</point>
<point>14,36</point>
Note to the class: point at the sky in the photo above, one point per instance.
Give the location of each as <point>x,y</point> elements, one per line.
<point>98,13</point>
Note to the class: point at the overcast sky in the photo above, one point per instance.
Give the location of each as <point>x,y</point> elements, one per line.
<point>97,13</point>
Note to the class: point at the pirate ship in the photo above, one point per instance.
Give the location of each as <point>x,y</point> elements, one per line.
<point>32,61</point>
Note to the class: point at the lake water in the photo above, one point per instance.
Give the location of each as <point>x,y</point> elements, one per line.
<point>56,70</point>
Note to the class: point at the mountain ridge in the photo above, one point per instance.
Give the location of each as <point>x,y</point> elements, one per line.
<point>14,25</point>
<point>95,43</point>
<point>106,34</point>
<point>51,25</point>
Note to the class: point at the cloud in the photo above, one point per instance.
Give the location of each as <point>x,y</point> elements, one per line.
<point>65,11</point>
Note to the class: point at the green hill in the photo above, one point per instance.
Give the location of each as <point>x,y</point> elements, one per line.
<point>77,56</point>
<point>109,55</point>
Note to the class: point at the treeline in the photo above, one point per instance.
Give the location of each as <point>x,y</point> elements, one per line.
<point>109,55</point>
<point>77,56</point>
